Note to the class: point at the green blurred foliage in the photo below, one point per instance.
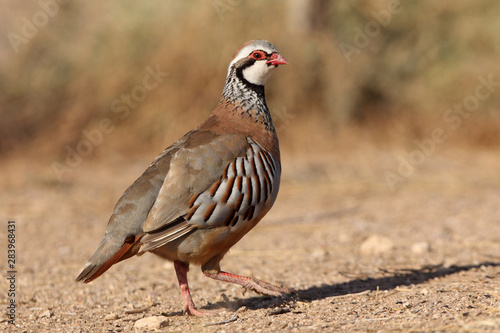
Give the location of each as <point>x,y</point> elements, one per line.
<point>402,75</point>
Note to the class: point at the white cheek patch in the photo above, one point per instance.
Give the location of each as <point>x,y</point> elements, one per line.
<point>258,73</point>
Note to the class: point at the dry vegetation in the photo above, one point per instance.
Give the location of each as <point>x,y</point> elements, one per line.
<point>388,214</point>
<point>398,82</point>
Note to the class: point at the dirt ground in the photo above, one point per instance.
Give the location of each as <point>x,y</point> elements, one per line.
<point>425,257</point>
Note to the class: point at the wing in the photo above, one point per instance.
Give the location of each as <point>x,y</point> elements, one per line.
<point>203,191</point>
<point>192,169</point>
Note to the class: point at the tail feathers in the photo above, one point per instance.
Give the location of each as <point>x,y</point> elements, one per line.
<point>106,256</point>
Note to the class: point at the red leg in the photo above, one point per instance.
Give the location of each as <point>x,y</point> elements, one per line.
<point>251,283</point>
<point>181,270</point>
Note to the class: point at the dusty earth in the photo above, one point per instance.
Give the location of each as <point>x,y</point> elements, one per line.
<point>425,257</point>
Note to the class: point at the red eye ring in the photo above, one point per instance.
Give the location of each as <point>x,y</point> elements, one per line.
<point>258,55</point>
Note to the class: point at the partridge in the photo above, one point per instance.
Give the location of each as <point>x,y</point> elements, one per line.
<point>202,194</point>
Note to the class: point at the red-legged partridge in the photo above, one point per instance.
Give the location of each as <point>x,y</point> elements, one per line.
<point>202,194</point>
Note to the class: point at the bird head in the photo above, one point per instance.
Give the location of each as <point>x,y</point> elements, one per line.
<point>255,61</point>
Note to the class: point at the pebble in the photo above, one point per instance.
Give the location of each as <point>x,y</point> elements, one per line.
<point>278,311</point>
<point>420,247</point>
<point>376,244</point>
<point>151,323</point>
<point>46,314</point>
<point>111,316</point>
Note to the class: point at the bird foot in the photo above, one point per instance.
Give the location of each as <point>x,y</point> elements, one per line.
<point>251,283</point>
<point>266,288</point>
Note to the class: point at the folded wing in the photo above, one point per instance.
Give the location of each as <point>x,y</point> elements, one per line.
<point>237,184</point>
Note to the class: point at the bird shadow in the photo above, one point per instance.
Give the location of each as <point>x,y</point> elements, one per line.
<point>392,280</point>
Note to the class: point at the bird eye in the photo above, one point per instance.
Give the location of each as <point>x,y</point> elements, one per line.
<point>257,55</point>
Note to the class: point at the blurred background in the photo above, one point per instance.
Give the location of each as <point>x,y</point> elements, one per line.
<point>381,72</point>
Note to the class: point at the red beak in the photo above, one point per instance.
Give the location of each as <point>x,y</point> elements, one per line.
<point>276,59</point>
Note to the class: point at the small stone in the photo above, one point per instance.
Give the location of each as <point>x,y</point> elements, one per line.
<point>151,323</point>
<point>376,245</point>
<point>278,311</point>
<point>320,253</point>
<point>242,309</point>
<point>46,314</point>
<point>420,247</point>
<point>111,316</point>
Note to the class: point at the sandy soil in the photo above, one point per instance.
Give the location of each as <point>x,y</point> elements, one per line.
<point>424,257</point>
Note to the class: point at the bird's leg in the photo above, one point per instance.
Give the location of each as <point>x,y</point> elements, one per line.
<point>251,283</point>
<point>212,270</point>
<point>181,270</point>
